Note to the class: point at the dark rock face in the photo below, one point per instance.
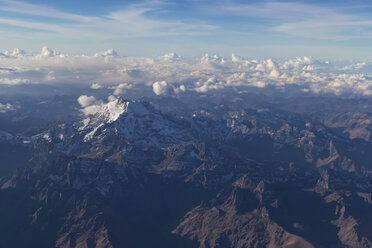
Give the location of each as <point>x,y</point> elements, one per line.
<point>250,178</point>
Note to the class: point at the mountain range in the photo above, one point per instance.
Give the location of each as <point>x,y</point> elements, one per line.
<point>138,173</point>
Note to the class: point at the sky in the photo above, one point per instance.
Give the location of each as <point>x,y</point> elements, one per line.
<point>337,30</point>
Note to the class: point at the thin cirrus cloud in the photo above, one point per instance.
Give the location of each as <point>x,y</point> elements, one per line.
<point>272,28</point>
<point>129,22</point>
<point>307,20</point>
<point>40,10</point>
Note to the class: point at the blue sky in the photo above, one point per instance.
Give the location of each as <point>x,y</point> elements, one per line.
<point>278,29</point>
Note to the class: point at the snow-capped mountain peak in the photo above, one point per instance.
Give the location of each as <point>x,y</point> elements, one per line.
<point>112,110</point>
<point>134,121</point>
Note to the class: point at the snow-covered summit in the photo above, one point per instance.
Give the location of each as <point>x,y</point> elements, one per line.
<point>134,121</point>
<point>112,110</point>
<point>101,114</point>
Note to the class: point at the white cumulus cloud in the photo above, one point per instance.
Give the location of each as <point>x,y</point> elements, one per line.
<point>121,88</point>
<point>96,86</point>
<point>85,100</point>
<point>161,88</point>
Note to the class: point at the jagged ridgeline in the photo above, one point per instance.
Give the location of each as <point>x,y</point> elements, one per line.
<point>130,175</point>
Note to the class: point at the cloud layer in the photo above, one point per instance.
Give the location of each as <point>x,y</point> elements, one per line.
<point>172,75</point>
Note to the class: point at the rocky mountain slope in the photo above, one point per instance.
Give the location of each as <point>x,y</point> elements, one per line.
<point>130,175</point>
